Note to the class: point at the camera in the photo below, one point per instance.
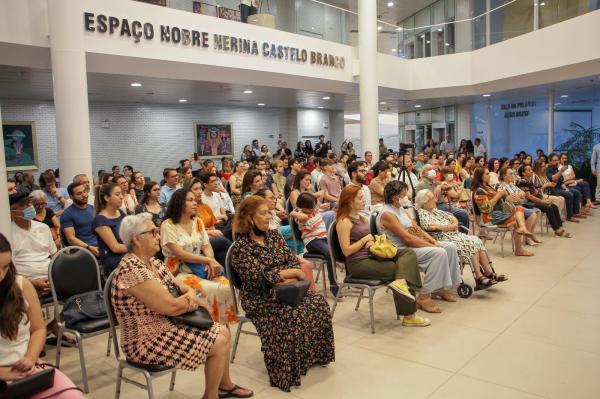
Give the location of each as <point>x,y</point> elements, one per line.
<point>404,147</point>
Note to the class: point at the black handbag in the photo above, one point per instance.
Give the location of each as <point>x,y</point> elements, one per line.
<point>89,305</point>
<point>28,386</point>
<point>199,318</point>
<point>289,293</point>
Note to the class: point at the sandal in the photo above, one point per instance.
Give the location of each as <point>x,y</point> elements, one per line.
<point>484,281</point>
<point>524,253</point>
<point>230,393</point>
<point>524,232</point>
<point>498,277</point>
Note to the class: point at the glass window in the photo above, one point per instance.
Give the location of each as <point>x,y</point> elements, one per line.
<point>478,9</point>
<point>449,9</point>
<point>450,114</point>
<point>563,120</point>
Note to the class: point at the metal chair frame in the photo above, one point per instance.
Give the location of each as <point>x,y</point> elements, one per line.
<point>62,328</point>
<point>123,363</point>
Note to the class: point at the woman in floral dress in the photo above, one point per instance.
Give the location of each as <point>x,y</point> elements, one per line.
<point>293,338</point>
<point>190,257</point>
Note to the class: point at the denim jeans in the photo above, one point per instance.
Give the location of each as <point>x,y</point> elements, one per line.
<point>319,246</point>
<point>572,200</point>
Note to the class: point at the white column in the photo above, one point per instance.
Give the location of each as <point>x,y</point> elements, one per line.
<point>4,207</point>
<point>70,89</point>
<point>369,96</point>
<point>550,121</point>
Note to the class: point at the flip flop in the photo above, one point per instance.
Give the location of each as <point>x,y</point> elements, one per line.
<point>230,393</point>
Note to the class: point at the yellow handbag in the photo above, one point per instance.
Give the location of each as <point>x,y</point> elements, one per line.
<point>383,248</point>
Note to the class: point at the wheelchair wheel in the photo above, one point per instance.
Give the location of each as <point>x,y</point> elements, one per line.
<point>464,290</point>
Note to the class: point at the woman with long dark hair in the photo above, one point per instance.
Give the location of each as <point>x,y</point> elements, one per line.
<point>252,182</point>
<point>308,148</point>
<point>149,203</point>
<point>22,329</point>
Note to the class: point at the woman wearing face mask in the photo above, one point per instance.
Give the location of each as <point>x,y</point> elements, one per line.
<point>453,192</point>
<point>293,338</point>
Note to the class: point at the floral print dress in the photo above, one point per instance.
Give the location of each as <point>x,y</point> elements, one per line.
<point>216,291</point>
<point>293,338</point>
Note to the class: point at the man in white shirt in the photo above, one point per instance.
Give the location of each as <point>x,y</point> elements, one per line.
<point>315,175</point>
<point>479,149</point>
<point>32,243</point>
<point>358,177</point>
<point>213,198</point>
<point>409,176</point>
<point>447,146</point>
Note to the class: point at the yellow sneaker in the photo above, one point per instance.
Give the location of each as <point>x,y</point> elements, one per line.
<point>399,286</point>
<point>416,321</point>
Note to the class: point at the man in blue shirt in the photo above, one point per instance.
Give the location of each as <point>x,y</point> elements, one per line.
<point>572,197</point>
<point>57,197</point>
<point>171,177</point>
<point>76,220</point>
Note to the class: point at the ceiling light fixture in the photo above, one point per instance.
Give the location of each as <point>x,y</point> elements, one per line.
<point>390,4</point>
<point>564,96</point>
<point>440,30</point>
<point>447,44</point>
<point>182,100</point>
<point>393,50</point>
<point>487,95</point>
<point>261,104</point>
<point>248,91</point>
<point>382,103</point>
<point>557,103</point>
<point>428,41</point>
<point>320,107</point>
<point>379,28</point>
<point>399,29</point>
<point>418,106</point>
<point>136,84</point>
<point>326,98</point>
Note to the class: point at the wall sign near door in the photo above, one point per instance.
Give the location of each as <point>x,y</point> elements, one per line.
<point>517,114</point>
<point>174,35</point>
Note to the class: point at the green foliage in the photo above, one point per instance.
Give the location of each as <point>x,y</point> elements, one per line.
<point>579,147</point>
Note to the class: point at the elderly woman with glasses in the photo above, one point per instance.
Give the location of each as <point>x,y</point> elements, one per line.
<point>443,226</point>
<point>143,306</point>
<point>45,215</point>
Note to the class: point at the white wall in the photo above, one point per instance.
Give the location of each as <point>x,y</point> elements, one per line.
<point>312,123</point>
<point>151,137</point>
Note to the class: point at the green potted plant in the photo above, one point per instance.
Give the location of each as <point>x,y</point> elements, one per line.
<point>579,147</point>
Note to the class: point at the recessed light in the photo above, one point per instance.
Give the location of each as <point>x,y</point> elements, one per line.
<point>487,95</point>
<point>136,84</point>
<point>393,50</point>
<point>447,44</point>
<point>248,92</point>
<point>312,28</point>
<point>418,106</point>
<point>542,3</point>
<point>379,28</point>
<point>382,103</point>
<point>261,104</point>
<point>564,96</point>
<point>557,103</point>
<point>390,4</point>
<point>399,29</point>
<point>422,36</point>
<point>182,100</point>
<point>440,30</point>
<point>326,98</point>
<point>320,107</point>
<point>428,41</point>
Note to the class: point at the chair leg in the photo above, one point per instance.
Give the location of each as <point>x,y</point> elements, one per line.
<point>86,388</point>
<point>108,345</point>
<point>335,302</point>
<point>371,295</point>
<point>172,385</point>
<point>359,299</point>
<point>149,385</point>
<point>58,345</point>
<point>502,244</point>
<point>322,268</point>
<point>119,380</point>
<point>236,340</point>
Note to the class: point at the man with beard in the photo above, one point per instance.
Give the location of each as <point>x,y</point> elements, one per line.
<point>76,220</point>
<point>358,177</point>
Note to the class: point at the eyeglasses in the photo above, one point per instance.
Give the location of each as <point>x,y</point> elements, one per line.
<point>154,232</point>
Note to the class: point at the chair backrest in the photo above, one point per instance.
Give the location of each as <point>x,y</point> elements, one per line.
<point>72,271</point>
<point>234,279</point>
<point>110,311</point>
<point>288,206</point>
<point>373,222</point>
<point>295,230</point>
<point>476,210</point>
<point>335,251</point>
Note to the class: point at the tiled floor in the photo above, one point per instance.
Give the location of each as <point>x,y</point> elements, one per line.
<point>537,335</point>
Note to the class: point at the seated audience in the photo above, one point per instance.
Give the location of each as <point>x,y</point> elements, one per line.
<point>149,203</point>
<point>541,183</point>
<point>143,306</point>
<point>316,173</point>
<point>442,226</point>
<point>11,186</point>
<point>106,226</point>
<point>56,197</point>
<point>572,196</point>
<point>571,180</point>
<point>303,183</point>
<point>252,182</point>
<point>295,167</point>
<point>381,178</point>
<point>190,257</point>
<point>218,242</point>
<point>28,184</point>
<point>22,330</point>
<point>138,182</point>
<point>536,197</point>
<point>293,339</point>
<point>444,192</point>
<point>438,260</point>
<point>76,221</point>
<point>314,233</point>
<point>129,199</point>
<point>495,209</point>
<point>518,198</point>
<point>45,215</point>
<point>355,238</point>
<point>329,183</point>
<point>235,183</point>
<point>358,177</point>
<point>171,179</point>
<point>493,167</point>
<point>185,176</point>
<point>212,197</point>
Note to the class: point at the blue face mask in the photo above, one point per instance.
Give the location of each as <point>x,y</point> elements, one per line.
<point>29,213</point>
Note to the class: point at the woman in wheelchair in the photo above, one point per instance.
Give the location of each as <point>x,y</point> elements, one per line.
<point>443,226</point>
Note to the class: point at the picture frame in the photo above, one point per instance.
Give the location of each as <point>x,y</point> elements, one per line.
<point>213,140</point>
<point>20,145</point>
<point>203,8</point>
<point>229,14</point>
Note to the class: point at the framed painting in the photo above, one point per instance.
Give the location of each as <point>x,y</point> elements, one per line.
<point>20,145</point>
<point>213,140</point>
<point>205,9</point>
<point>155,2</point>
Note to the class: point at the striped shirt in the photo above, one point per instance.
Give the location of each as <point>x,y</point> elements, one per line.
<point>313,229</point>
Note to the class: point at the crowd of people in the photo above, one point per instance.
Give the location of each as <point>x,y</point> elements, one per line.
<point>432,205</point>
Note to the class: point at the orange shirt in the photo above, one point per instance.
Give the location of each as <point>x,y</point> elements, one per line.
<point>207,216</point>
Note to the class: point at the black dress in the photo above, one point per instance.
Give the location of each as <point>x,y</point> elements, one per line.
<point>293,338</point>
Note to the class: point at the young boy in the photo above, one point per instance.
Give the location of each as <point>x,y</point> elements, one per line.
<point>314,233</point>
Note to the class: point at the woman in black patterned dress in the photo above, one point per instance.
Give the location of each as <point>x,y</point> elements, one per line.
<point>293,338</point>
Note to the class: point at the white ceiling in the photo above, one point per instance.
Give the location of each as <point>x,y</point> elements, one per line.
<point>397,13</point>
